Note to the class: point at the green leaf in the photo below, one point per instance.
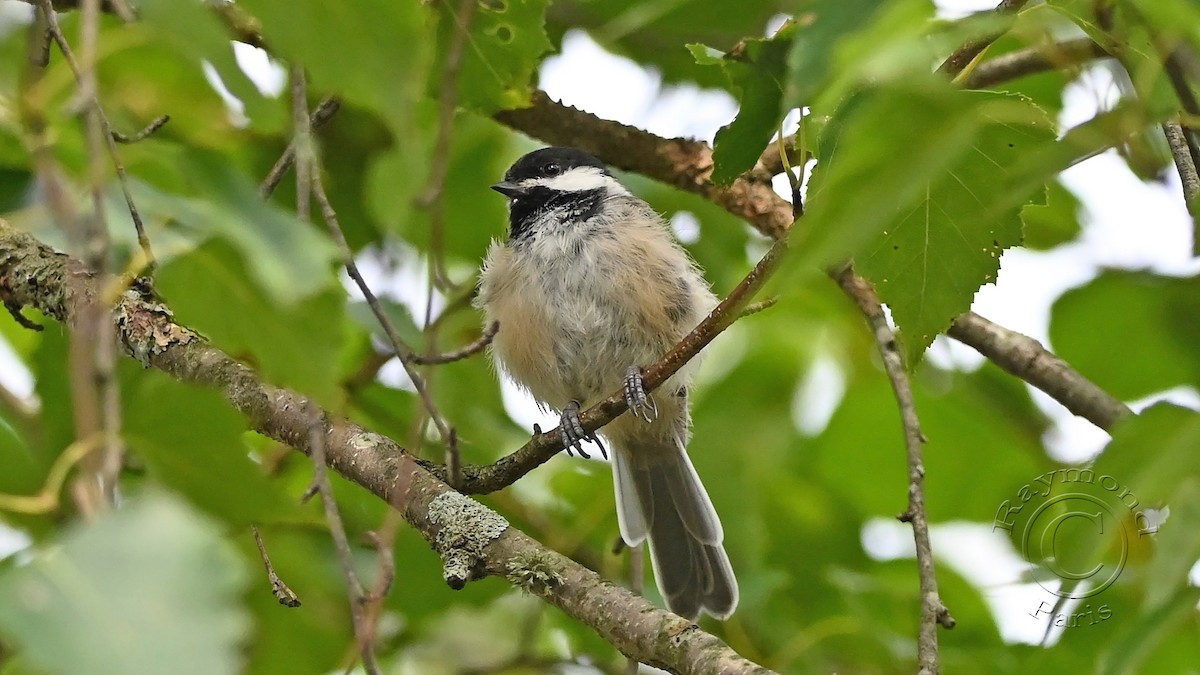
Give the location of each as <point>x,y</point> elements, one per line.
<point>944,197</point>
<point>1177,548</point>
<point>21,471</point>
<point>210,289</point>
<point>756,70</point>
<point>1155,452</point>
<point>191,440</point>
<point>652,32</point>
<point>504,46</point>
<point>819,30</point>
<point>480,153</point>
<point>1053,223</point>
<point>292,260</point>
<point>193,31</point>
<point>397,313</point>
<point>983,411</point>
<point>1146,311</point>
<point>148,585</point>
<point>893,43</point>
<point>705,55</point>
<point>1140,640</point>
<point>373,53</point>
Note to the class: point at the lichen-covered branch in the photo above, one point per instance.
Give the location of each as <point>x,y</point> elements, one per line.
<point>33,275</point>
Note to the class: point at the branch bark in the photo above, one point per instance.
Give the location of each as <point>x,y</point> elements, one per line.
<point>933,610</point>
<point>685,164</point>
<point>1055,56</point>
<point>964,55</point>
<point>472,540</point>
<point>1026,358</point>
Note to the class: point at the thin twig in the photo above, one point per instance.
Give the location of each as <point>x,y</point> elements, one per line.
<point>387,562</point>
<point>145,133</point>
<point>1014,65</point>
<point>94,386</point>
<point>46,500</point>
<point>307,176</point>
<point>14,310</point>
<point>431,198</point>
<point>1182,136</point>
<point>90,94</point>
<point>1184,140</point>
<point>320,117</point>
<point>933,611</point>
<point>756,307</point>
<point>1026,358</point>
<point>453,461</point>
<point>1186,167</point>
<point>403,351</point>
<point>964,55</point>
<point>337,532</point>
<point>383,540</point>
<point>543,446</point>
<point>302,142</point>
<point>472,349</point>
<point>283,594</point>
<point>149,263</point>
<point>1184,164</point>
<point>1173,65</point>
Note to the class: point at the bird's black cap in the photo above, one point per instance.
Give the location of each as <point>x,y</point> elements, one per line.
<point>550,162</point>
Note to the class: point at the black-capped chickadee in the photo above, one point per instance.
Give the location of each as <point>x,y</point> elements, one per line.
<point>589,287</point>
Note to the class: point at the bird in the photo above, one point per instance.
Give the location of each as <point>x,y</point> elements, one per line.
<point>589,287</point>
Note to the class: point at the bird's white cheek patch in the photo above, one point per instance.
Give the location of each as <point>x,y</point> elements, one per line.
<point>581,179</point>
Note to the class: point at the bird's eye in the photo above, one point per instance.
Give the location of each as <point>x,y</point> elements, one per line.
<point>552,169</point>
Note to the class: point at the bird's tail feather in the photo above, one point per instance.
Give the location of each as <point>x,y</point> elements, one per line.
<point>660,497</point>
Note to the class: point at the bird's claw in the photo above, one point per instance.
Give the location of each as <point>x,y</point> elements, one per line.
<point>640,403</point>
<point>574,435</point>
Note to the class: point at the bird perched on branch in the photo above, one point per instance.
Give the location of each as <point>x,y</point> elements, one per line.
<point>589,288</point>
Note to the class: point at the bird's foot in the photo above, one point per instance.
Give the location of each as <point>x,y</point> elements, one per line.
<point>574,435</point>
<point>640,403</point>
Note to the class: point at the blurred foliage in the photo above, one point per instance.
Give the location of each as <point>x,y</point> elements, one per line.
<point>923,184</point>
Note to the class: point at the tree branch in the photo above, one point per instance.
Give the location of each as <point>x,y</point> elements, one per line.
<point>1054,56</point>
<point>1029,360</point>
<point>685,164</point>
<point>933,611</point>
<point>964,55</point>
<point>471,539</point>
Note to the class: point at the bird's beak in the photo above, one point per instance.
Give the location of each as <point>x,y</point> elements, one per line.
<point>510,190</point>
